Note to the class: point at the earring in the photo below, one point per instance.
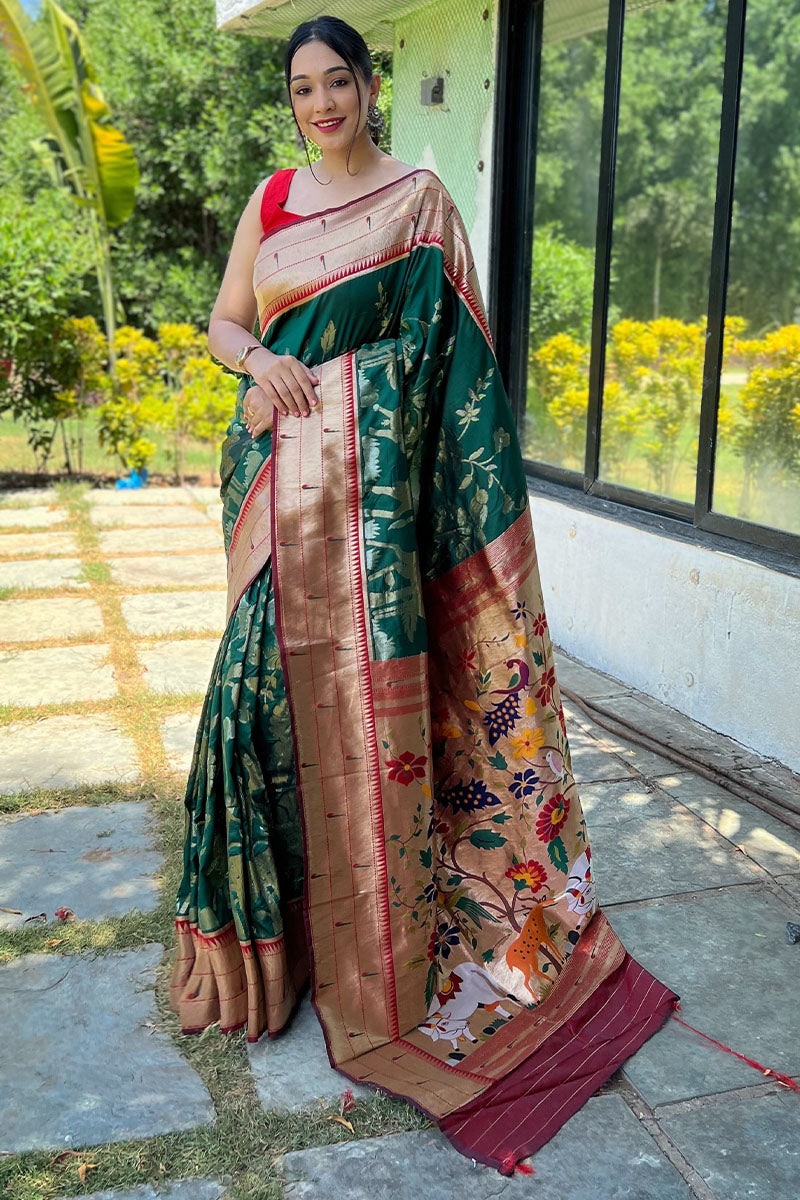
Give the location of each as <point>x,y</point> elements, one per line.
<point>375,122</point>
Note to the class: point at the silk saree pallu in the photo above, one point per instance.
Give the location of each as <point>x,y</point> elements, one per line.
<point>439,888</point>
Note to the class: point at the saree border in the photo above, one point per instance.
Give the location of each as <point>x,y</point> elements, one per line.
<point>328,452</point>
<point>405,224</point>
<point>319,676</point>
<point>251,539</point>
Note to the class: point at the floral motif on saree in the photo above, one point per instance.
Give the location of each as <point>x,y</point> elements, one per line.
<point>387,625</point>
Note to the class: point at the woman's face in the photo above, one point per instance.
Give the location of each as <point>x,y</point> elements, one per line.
<point>325,96</point>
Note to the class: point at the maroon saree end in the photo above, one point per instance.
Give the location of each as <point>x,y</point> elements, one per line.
<point>525,1109</point>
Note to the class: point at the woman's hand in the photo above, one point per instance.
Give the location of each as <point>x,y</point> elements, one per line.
<point>285,381</point>
<point>258,409</point>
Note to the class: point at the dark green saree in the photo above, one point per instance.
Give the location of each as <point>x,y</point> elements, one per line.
<point>381,794</point>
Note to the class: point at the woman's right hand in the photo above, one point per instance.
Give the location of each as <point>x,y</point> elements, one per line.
<point>285,380</point>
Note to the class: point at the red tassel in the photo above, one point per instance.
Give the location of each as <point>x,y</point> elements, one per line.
<point>509,1167</point>
<point>784,1080</point>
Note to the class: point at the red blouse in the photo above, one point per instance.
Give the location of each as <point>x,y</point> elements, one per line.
<point>275,193</point>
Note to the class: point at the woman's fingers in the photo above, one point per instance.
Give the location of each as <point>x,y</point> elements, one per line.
<point>286,394</point>
<point>290,383</point>
<point>303,377</point>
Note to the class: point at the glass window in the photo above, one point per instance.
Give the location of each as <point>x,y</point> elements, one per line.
<point>669,122</point>
<point>757,468</point>
<point>565,219</point>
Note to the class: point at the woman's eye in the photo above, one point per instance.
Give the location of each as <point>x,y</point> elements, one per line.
<point>301,90</point>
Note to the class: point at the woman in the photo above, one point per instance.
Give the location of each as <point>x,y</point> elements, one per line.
<point>381,793</point>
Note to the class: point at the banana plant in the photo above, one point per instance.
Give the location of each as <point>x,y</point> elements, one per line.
<point>83,150</point>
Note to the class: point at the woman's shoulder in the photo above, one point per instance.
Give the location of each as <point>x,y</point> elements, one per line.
<point>274,178</point>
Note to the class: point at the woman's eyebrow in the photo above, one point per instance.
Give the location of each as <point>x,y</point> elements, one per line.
<point>326,72</point>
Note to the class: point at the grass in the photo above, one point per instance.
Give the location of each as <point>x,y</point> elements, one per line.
<point>771,504</point>
<point>17,456</point>
<point>244,1142</point>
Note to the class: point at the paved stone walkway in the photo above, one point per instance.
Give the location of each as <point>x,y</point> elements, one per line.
<point>699,883</point>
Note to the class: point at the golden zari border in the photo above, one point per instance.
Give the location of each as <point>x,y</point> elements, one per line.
<point>251,540</point>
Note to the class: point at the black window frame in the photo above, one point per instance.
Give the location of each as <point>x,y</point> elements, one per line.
<point>518,71</point>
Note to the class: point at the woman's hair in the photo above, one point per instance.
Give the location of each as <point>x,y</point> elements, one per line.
<point>346,41</point>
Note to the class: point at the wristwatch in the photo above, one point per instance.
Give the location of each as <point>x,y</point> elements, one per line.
<point>243,355</point>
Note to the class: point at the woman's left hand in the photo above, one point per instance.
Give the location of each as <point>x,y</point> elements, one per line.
<point>258,411</point>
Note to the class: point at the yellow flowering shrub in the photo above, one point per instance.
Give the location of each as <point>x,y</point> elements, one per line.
<point>767,434</point>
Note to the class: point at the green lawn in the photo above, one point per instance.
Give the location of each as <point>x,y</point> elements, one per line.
<point>16,456</point>
<point>772,501</point>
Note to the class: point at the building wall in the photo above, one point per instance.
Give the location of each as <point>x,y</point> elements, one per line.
<point>454,137</point>
<point>712,635</point>
<point>708,633</point>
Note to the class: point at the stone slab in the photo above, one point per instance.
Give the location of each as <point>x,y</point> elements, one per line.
<point>644,846</point>
<point>19,545</point>
<point>681,731</point>
<point>592,761</point>
<point>204,495</point>
<point>80,1059</point>
<point>214,512</point>
<point>292,1071</point>
<point>162,539</point>
<point>744,1150</point>
<point>792,885</point>
<point>770,842</point>
<point>584,680</point>
<point>43,573</point>
<point>65,752</point>
<point>173,612</point>
<point>601,1153</point>
<point>177,668</point>
<point>178,732</point>
<point>146,515</point>
<point>144,496</point>
<point>27,496</point>
<point>98,860</point>
<point>775,779</point>
<point>727,956</point>
<point>181,570</point>
<point>55,675</point>
<point>37,516</point>
<point>647,762</point>
<point>182,1189</point>
<point>48,619</point>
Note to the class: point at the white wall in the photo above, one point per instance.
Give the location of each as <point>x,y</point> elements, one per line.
<point>710,634</point>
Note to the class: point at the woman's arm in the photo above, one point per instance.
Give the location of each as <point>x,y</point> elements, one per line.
<point>284,381</point>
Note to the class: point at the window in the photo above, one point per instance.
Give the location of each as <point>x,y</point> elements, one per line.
<point>757,473</point>
<point>657,359</point>
<point>565,224</point>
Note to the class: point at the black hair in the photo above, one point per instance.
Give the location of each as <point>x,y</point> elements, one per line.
<point>347,42</point>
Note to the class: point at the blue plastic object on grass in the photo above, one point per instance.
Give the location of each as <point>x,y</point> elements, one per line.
<point>136,479</point>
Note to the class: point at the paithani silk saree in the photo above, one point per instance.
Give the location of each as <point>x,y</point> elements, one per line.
<point>381,797</point>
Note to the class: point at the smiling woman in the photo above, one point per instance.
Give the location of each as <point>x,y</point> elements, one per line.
<point>381,798</point>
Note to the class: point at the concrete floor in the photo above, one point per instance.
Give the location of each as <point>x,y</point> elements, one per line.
<point>699,884</point>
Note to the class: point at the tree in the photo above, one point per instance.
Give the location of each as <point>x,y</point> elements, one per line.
<point>562,278</point>
<point>767,435</point>
<point>85,152</point>
<point>89,387</point>
<point>43,263</point>
<point>208,114</point>
<point>124,417</point>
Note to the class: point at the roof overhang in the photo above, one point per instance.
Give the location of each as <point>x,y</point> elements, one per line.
<point>373,19</point>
